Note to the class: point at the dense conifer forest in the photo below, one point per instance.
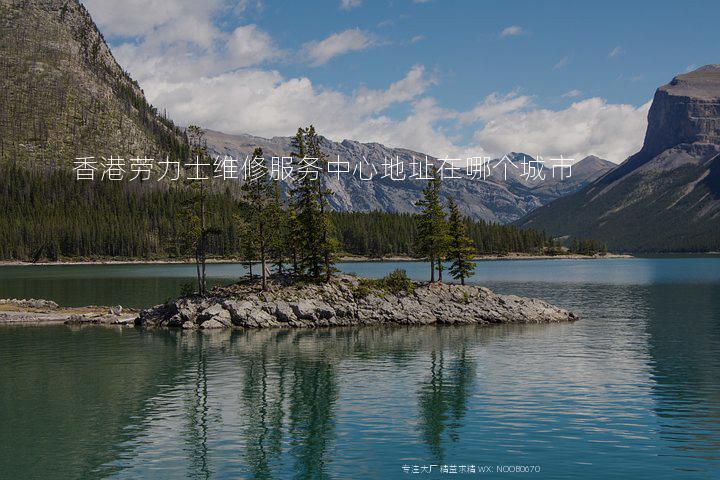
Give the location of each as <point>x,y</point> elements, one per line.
<point>48,215</point>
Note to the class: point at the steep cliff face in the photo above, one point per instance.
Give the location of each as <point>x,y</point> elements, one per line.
<point>666,197</point>
<point>63,94</point>
<point>495,199</point>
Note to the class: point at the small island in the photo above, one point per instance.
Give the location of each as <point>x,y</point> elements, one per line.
<point>347,300</point>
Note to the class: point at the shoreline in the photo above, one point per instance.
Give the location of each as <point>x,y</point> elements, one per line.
<point>35,312</point>
<point>342,259</point>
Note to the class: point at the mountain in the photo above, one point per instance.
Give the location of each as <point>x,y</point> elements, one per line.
<point>666,197</point>
<point>494,199</point>
<point>63,95</point>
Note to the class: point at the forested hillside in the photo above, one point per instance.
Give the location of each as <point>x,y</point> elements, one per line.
<point>47,214</point>
<point>63,95</point>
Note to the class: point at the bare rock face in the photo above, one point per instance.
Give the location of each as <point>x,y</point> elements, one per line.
<point>345,302</point>
<point>666,197</point>
<point>686,110</point>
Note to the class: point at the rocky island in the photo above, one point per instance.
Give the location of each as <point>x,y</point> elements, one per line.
<point>348,301</point>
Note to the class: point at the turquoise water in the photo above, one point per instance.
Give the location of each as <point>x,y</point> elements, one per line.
<point>141,286</point>
<point>630,391</point>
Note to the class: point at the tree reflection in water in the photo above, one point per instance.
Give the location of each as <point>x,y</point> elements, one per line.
<point>442,400</point>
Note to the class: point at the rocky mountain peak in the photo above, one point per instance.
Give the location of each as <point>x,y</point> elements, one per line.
<point>666,197</point>
<point>685,111</point>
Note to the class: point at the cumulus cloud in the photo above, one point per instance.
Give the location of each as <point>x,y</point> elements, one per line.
<point>225,79</point>
<point>512,31</point>
<point>248,45</point>
<point>138,17</point>
<point>592,126</point>
<point>352,40</point>
<point>495,105</point>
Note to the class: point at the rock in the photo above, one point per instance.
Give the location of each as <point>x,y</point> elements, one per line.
<point>30,303</point>
<point>304,309</point>
<point>117,310</point>
<point>327,305</point>
<point>212,323</point>
<point>215,312</point>
<point>284,313</point>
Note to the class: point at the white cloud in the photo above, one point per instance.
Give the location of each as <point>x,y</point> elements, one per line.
<point>352,40</point>
<point>137,17</point>
<point>572,94</point>
<point>495,105</point>
<point>561,63</point>
<point>511,31</point>
<point>266,103</point>
<point>417,38</point>
<point>248,45</point>
<point>220,79</point>
<point>349,4</point>
<point>592,126</point>
<point>615,52</point>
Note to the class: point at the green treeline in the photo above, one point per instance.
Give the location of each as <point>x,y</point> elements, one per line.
<point>47,214</point>
<point>378,234</point>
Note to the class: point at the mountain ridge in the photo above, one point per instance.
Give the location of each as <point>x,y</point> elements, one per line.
<point>666,197</point>
<point>493,199</point>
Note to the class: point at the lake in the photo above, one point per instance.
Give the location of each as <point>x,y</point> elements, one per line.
<point>630,391</point>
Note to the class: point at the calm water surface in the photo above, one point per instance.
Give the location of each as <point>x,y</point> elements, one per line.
<point>630,391</point>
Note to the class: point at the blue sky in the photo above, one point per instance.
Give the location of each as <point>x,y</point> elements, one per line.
<point>443,77</point>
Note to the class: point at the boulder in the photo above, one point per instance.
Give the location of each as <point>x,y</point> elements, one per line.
<point>212,323</point>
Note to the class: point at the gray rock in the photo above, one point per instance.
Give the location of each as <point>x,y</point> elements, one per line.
<point>329,305</point>
<point>212,323</point>
<point>284,313</point>
<point>216,312</point>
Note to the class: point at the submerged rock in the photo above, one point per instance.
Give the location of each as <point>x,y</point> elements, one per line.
<point>348,300</point>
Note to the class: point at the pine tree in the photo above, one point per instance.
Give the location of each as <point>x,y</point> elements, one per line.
<point>198,229</point>
<point>432,227</point>
<point>306,207</point>
<point>327,244</point>
<point>317,247</point>
<point>461,250</point>
<point>262,211</point>
<point>279,247</point>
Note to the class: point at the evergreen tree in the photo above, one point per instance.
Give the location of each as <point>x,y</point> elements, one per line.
<point>461,250</point>
<point>432,227</point>
<point>198,229</point>
<point>306,207</point>
<point>316,252</point>
<point>326,244</point>
<point>279,247</point>
<point>262,212</point>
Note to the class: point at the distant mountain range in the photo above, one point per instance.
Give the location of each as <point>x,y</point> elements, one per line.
<point>666,197</point>
<point>504,196</point>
